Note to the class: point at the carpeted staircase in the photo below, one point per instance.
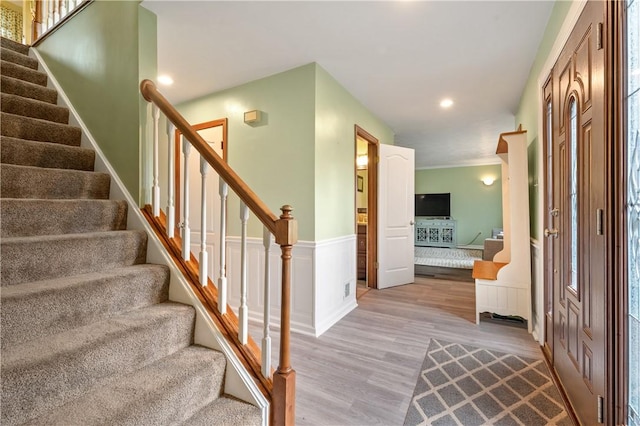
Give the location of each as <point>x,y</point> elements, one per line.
<point>88,335</point>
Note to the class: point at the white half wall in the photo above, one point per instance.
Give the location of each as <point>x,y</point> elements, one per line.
<point>323,280</point>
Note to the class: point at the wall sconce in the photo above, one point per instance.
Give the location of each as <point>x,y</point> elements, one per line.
<point>488,181</point>
<point>362,161</point>
<point>251,117</point>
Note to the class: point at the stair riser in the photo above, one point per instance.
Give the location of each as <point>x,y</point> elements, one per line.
<point>15,46</point>
<point>27,107</point>
<point>40,258</point>
<point>28,90</point>
<point>23,73</point>
<point>27,217</point>
<point>34,129</point>
<point>18,58</point>
<point>35,310</point>
<point>34,182</point>
<point>234,413</point>
<point>43,154</point>
<point>33,383</point>
<point>167,392</point>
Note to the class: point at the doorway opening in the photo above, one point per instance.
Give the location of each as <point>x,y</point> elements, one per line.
<point>366,208</point>
<point>215,134</point>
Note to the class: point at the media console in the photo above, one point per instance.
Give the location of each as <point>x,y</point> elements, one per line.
<point>435,232</point>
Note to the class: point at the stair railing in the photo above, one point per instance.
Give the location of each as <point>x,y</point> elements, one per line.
<point>46,15</point>
<point>281,385</point>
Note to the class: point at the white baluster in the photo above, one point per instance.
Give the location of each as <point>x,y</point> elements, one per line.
<point>49,14</point>
<point>72,5</point>
<point>243,312</point>
<point>155,189</point>
<point>186,231</point>
<point>64,9</point>
<point>56,11</point>
<point>266,339</point>
<point>222,280</point>
<point>204,262</point>
<point>171,208</point>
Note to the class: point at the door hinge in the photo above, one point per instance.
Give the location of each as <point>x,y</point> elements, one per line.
<point>600,409</point>
<point>599,36</point>
<point>375,265</point>
<point>599,220</point>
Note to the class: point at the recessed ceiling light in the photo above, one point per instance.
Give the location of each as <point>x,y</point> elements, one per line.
<point>165,80</point>
<point>446,103</point>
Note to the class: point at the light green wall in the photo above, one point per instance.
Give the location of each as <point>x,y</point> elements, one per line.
<point>337,113</point>
<point>302,152</point>
<point>274,157</point>
<point>147,68</point>
<point>475,206</point>
<point>528,110</point>
<point>94,57</point>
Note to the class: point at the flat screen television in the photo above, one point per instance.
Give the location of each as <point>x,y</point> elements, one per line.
<point>433,205</point>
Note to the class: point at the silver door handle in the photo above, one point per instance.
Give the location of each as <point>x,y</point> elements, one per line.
<point>548,232</point>
<point>411,223</point>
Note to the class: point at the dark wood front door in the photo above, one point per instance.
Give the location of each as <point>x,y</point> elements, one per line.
<point>576,215</point>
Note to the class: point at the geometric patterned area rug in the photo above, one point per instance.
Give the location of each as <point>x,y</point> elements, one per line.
<point>465,385</point>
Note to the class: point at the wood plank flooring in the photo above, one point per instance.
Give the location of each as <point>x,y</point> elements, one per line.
<point>363,370</point>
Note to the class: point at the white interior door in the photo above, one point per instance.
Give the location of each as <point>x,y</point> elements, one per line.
<point>396,197</point>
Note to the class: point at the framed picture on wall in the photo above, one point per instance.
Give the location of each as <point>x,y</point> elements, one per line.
<point>360,185</point>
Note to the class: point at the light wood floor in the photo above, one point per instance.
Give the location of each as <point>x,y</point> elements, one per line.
<point>364,369</point>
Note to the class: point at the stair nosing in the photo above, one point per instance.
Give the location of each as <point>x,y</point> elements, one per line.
<point>52,169</point>
<point>43,347</point>
<point>75,236</point>
<point>33,60</point>
<point>38,87</point>
<point>51,283</point>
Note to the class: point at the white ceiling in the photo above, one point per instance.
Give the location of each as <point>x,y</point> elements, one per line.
<point>398,58</point>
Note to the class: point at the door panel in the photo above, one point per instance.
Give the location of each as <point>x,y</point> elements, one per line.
<point>396,198</point>
<point>577,201</point>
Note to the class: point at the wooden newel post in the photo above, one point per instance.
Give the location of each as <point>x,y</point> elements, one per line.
<point>284,379</point>
<point>36,14</point>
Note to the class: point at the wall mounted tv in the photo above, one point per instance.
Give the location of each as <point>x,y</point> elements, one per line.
<point>433,205</point>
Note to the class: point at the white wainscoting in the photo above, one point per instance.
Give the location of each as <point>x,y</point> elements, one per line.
<point>320,272</point>
<point>537,292</point>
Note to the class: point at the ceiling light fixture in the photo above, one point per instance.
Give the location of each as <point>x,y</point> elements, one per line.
<point>446,103</point>
<point>165,80</point>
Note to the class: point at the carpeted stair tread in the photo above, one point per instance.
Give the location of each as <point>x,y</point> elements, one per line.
<point>35,129</point>
<point>10,55</point>
<point>43,308</point>
<point>45,154</point>
<point>14,45</point>
<point>166,392</point>
<point>26,259</point>
<point>38,182</point>
<point>22,217</point>
<point>25,89</point>
<point>87,334</point>
<point>46,373</point>
<point>226,411</point>
<point>28,107</point>
<point>23,73</point>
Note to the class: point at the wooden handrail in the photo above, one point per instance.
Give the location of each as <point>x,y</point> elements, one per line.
<point>285,230</point>
<point>246,194</point>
